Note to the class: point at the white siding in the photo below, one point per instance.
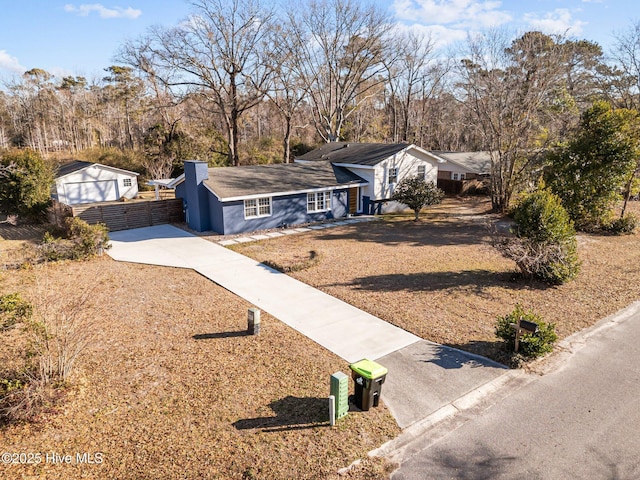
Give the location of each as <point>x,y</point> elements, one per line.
<point>96,184</point>
<point>407,164</point>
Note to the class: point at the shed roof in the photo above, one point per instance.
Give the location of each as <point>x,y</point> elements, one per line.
<point>77,165</point>
<point>72,167</point>
<point>369,154</point>
<point>474,162</point>
<point>238,182</point>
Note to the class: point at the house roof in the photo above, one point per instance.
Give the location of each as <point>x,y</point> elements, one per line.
<point>241,182</point>
<point>369,154</point>
<point>474,162</point>
<point>77,165</point>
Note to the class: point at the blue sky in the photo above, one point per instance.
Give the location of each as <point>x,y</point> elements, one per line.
<point>67,38</point>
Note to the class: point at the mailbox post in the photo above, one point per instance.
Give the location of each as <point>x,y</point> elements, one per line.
<point>523,327</point>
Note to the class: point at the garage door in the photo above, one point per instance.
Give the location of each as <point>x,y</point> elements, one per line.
<point>88,192</point>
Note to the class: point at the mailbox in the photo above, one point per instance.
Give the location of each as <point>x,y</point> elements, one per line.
<point>521,328</point>
<point>528,327</point>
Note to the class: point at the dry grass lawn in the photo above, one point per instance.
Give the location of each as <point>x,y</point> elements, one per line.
<point>439,278</point>
<point>171,387</point>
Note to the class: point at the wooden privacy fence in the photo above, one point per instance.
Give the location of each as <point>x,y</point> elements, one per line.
<point>126,215</point>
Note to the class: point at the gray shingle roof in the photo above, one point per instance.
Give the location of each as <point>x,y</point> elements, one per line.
<point>77,165</point>
<point>369,154</point>
<point>71,167</point>
<point>233,182</point>
<point>476,162</point>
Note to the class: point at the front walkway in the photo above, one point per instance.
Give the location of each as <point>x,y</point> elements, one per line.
<point>341,328</point>
<point>252,237</point>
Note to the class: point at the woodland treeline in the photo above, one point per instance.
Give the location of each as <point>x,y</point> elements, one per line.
<point>240,82</point>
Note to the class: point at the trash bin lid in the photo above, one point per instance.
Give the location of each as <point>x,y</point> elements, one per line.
<point>368,369</point>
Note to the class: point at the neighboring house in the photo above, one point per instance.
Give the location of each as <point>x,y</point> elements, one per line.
<point>381,165</point>
<point>230,200</point>
<point>464,165</point>
<point>86,182</point>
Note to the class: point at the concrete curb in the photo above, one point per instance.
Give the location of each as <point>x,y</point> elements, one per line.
<point>394,449</point>
<point>573,343</point>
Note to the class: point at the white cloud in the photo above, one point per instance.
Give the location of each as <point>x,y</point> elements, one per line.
<point>560,21</point>
<point>115,12</point>
<point>460,13</point>
<point>11,64</point>
<point>440,35</point>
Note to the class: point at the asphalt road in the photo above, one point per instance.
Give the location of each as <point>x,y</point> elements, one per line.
<point>581,421</point>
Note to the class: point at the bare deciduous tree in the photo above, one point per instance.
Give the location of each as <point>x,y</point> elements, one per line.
<point>507,87</point>
<point>625,76</point>
<point>339,46</point>
<point>219,53</point>
<point>414,77</point>
<point>288,91</point>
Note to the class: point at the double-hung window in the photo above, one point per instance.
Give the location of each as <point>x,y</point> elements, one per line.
<point>393,175</point>
<point>318,202</point>
<point>422,172</point>
<point>126,182</point>
<point>257,207</point>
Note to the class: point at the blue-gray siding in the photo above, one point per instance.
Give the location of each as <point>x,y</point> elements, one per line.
<point>204,211</point>
<point>216,210</point>
<point>196,195</point>
<point>285,210</point>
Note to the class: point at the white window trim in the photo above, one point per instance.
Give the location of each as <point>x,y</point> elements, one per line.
<point>127,182</point>
<point>326,196</point>
<point>255,203</point>
<point>424,171</point>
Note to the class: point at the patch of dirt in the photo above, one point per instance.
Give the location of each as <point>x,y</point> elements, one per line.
<point>440,279</point>
<point>172,387</point>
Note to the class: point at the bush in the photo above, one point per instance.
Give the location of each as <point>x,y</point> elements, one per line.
<point>545,246</point>
<point>531,345</point>
<point>591,170</point>
<point>60,330</point>
<point>83,241</point>
<point>623,225</point>
<point>26,401</point>
<point>13,309</point>
<point>416,193</point>
<point>57,333</point>
<point>25,186</point>
<point>88,239</point>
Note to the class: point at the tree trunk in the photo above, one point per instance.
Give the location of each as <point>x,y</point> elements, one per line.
<point>286,143</point>
<point>234,157</point>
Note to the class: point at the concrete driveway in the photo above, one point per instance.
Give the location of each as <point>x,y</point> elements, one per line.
<point>424,378</point>
<point>341,328</point>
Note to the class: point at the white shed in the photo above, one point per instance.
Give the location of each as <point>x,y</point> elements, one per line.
<point>86,182</point>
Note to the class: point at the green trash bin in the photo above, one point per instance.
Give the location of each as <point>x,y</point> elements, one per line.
<point>368,377</point>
